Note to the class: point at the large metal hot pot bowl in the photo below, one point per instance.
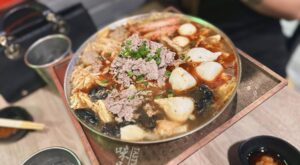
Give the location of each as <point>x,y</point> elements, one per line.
<point>209,119</point>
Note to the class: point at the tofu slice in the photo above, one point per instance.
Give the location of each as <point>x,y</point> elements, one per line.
<point>177,108</point>
<point>132,133</point>
<point>181,80</point>
<point>209,71</point>
<point>202,55</point>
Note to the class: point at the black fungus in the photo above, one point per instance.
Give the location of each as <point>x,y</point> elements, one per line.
<point>98,93</point>
<point>147,121</point>
<point>111,129</point>
<point>125,123</point>
<point>203,96</point>
<point>87,115</point>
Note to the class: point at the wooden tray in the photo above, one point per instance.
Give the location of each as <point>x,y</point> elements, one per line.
<point>258,83</point>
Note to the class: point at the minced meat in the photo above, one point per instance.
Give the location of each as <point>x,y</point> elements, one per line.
<point>141,57</point>
<point>123,103</point>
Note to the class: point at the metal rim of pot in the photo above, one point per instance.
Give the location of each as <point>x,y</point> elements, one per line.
<point>67,86</point>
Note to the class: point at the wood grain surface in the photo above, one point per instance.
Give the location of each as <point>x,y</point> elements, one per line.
<point>45,107</point>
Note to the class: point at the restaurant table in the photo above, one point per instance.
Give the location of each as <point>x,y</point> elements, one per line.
<point>279,116</point>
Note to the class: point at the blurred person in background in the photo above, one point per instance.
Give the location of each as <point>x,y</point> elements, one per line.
<point>253,25</point>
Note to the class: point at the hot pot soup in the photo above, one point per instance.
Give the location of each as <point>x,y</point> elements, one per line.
<point>153,78</point>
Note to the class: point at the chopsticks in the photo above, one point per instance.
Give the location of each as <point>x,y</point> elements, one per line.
<point>21,124</point>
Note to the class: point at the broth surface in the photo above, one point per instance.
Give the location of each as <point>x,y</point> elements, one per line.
<point>142,81</point>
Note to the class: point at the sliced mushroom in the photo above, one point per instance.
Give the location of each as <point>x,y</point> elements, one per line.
<point>209,71</point>
<point>132,133</point>
<point>187,29</point>
<point>202,55</point>
<point>177,108</point>
<point>181,80</point>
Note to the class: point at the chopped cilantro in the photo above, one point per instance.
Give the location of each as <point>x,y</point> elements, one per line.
<point>126,52</point>
<point>103,82</point>
<point>140,78</point>
<point>146,83</point>
<point>170,93</point>
<point>167,73</point>
<point>142,52</point>
<point>149,58</point>
<point>157,52</point>
<point>158,97</point>
<point>158,60</point>
<point>130,73</point>
<point>128,42</point>
<point>155,57</point>
<point>131,97</point>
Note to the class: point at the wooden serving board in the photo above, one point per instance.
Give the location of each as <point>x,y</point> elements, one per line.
<point>258,83</point>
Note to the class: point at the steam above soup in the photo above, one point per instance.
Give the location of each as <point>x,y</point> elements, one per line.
<point>152,78</point>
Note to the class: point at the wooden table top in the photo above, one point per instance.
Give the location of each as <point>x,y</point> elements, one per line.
<point>279,116</point>
<point>48,108</point>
